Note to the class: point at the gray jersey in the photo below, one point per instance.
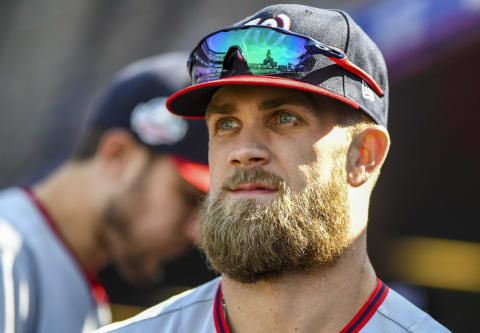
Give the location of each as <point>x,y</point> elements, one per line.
<point>43,289</point>
<point>200,311</point>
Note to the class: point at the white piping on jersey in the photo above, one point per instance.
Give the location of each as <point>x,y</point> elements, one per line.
<point>89,324</point>
<point>149,313</point>
<point>103,313</point>
<point>23,299</point>
<point>10,245</point>
<point>104,317</point>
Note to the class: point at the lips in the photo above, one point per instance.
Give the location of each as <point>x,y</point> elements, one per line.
<point>253,187</point>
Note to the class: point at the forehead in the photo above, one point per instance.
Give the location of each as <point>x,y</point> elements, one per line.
<point>228,98</point>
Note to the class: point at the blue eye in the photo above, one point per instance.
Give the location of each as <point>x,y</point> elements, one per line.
<point>226,124</point>
<point>285,118</point>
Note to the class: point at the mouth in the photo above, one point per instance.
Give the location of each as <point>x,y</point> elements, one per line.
<point>253,189</point>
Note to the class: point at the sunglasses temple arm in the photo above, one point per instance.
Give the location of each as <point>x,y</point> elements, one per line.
<point>352,68</point>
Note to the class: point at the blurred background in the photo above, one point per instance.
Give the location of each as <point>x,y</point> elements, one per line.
<point>57,56</point>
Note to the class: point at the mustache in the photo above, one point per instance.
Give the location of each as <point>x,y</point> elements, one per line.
<point>253,175</point>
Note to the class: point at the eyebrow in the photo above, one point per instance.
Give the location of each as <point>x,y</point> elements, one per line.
<point>219,109</point>
<point>265,105</point>
<point>288,100</point>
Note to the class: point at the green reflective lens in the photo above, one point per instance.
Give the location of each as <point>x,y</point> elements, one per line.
<point>265,51</point>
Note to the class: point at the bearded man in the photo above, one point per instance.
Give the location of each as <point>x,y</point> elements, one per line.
<point>294,154</point>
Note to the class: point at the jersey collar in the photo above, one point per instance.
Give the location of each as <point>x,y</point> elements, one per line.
<point>361,318</point>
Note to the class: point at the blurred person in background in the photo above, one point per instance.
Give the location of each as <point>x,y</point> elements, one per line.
<point>296,103</point>
<point>127,195</point>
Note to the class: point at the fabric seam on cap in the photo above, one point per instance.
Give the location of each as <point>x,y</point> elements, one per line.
<point>346,42</point>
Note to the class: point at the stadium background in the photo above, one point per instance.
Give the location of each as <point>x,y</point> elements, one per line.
<point>57,56</point>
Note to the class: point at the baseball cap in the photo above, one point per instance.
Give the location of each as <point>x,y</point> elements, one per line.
<point>135,101</point>
<point>333,29</point>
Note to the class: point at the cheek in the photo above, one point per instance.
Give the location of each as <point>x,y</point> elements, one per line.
<point>218,163</point>
<point>162,217</point>
<point>290,159</point>
<point>157,219</point>
<point>327,157</point>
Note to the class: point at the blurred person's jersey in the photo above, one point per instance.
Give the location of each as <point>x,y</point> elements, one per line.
<point>43,287</point>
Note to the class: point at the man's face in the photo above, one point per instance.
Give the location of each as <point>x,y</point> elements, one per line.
<point>278,194</point>
<point>152,222</point>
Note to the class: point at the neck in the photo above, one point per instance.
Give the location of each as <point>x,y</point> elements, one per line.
<point>69,197</point>
<point>321,301</point>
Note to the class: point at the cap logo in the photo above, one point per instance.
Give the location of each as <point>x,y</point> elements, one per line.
<point>154,125</point>
<point>367,93</point>
<point>279,21</point>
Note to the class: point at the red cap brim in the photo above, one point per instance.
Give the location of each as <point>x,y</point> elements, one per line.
<point>195,173</point>
<point>191,102</point>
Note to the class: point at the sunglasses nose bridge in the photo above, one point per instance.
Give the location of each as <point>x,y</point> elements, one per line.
<point>319,48</point>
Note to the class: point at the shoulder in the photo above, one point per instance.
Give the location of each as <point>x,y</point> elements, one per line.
<point>11,198</point>
<point>186,312</point>
<point>13,249</point>
<point>20,212</point>
<point>20,216</point>
<point>10,239</point>
<point>21,227</point>
<point>396,314</point>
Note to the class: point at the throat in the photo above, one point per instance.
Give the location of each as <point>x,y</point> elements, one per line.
<point>296,302</point>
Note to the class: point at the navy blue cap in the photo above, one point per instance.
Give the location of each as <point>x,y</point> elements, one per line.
<point>331,27</point>
<point>135,101</point>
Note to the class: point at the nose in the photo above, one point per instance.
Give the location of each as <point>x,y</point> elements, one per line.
<point>250,149</point>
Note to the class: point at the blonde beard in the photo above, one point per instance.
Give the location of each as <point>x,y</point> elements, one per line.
<point>250,241</point>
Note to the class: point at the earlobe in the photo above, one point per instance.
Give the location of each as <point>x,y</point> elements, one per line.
<point>367,154</point>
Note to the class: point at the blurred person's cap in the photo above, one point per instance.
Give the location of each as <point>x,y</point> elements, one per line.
<point>319,73</point>
<point>135,101</point>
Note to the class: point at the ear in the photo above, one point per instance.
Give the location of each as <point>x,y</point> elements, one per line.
<point>366,154</point>
<point>115,150</point>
